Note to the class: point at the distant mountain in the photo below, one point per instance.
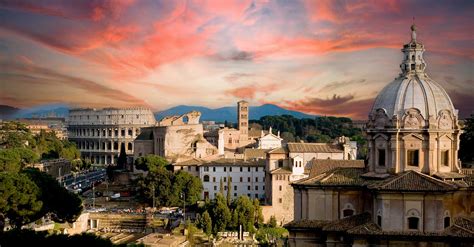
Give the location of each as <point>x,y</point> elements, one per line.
<point>6,111</point>
<point>54,110</point>
<point>230,113</point>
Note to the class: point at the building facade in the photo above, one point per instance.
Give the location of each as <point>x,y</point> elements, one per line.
<point>177,138</point>
<point>291,163</point>
<point>100,133</point>
<point>412,192</point>
<point>244,177</point>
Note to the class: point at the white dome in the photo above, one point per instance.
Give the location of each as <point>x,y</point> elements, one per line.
<point>405,93</point>
<point>413,88</point>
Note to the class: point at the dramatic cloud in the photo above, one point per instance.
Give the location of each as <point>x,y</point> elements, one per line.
<point>321,57</point>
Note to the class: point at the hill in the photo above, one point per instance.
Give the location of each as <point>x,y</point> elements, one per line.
<point>229,113</point>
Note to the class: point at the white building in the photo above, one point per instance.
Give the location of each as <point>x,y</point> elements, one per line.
<point>246,177</point>
<point>270,140</point>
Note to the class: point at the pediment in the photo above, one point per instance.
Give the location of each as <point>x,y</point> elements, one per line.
<point>445,136</point>
<point>413,136</point>
<point>377,136</point>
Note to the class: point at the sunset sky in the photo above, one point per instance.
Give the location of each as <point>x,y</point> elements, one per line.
<point>318,57</point>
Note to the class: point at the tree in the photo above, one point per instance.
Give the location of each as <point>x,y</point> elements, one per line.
<point>206,222</point>
<point>272,222</point>
<point>15,135</point>
<point>229,191</point>
<point>221,187</point>
<point>64,205</point>
<point>258,219</point>
<point>19,199</point>
<point>15,159</point>
<point>122,159</point>
<point>191,186</point>
<point>157,183</point>
<point>220,214</point>
<point>245,212</point>
<point>150,162</point>
<point>467,141</point>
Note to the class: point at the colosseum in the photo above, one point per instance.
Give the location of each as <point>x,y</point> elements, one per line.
<point>99,133</point>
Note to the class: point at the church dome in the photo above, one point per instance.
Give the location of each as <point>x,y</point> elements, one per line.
<point>413,89</point>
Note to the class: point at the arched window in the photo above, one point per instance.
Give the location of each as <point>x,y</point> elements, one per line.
<point>348,210</point>
<point>206,178</point>
<point>413,219</point>
<point>413,223</point>
<point>447,219</point>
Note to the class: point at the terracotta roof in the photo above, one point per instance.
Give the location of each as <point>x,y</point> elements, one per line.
<point>307,224</point>
<point>462,227</point>
<point>235,162</point>
<point>255,153</point>
<point>314,148</point>
<point>341,176</point>
<point>449,175</point>
<point>191,162</point>
<point>280,150</point>
<point>281,170</point>
<point>412,181</point>
<point>253,133</point>
<point>348,222</point>
<point>320,166</point>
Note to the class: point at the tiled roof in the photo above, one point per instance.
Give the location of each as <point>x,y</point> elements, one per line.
<point>341,176</point>
<point>314,148</point>
<point>412,181</point>
<point>145,134</point>
<point>280,150</point>
<point>255,153</point>
<point>448,175</point>
<point>320,166</point>
<point>307,224</point>
<point>348,222</point>
<point>253,133</point>
<point>191,162</point>
<point>235,162</point>
<point>281,170</point>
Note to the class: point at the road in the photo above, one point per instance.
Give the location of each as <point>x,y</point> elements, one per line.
<point>83,181</point>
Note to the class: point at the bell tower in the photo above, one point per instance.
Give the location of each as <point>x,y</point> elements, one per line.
<point>243,119</point>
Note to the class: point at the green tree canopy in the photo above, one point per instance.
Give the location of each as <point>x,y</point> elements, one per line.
<point>19,198</point>
<point>220,214</point>
<point>206,222</point>
<point>150,162</point>
<point>63,204</point>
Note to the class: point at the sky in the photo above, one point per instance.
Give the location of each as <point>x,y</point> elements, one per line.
<point>318,57</point>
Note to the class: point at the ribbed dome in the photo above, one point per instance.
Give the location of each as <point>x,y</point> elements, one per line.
<point>413,88</point>
<point>404,93</point>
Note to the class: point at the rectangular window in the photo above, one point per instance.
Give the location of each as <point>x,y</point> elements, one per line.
<point>214,179</point>
<point>248,187</point>
<point>280,163</point>
<point>206,168</point>
<point>280,187</point>
<point>225,179</point>
<point>413,223</point>
<point>225,168</point>
<point>256,196</point>
<point>235,187</point>
<point>248,179</point>
<point>225,187</point>
<point>241,179</point>
<point>445,158</point>
<point>256,179</point>
<point>280,200</point>
<point>235,194</point>
<point>213,169</point>
<point>230,169</point>
<point>256,187</point>
<point>215,187</point>
<point>248,169</point>
<point>189,168</point>
<point>413,157</point>
<point>256,169</point>
<point>381,157</point>
<point>241,169</point>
